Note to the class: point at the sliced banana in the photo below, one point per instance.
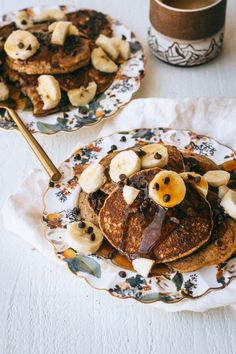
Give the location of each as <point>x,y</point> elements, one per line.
<point>228,202</point>
<point>92,178</point>
<point>130,194</point>
<point>156,155</point>
<point>124,163</point>
<point>197,181</point>
<point>4,91</point>
<point>84,237</point>
<point>102,62</point>
<point>73,30</point>
<point>49,91</point>
<point>83,95</point>
<point>217,178</point>
<point>107,44</point>
<point>222,191</point>
<point>22,20</point>
<point>21,45</point>
<point>52,14</point>
<point>60,32</point>
<point>143,266</point>
<point>167,189</point>
<point>122,46</point>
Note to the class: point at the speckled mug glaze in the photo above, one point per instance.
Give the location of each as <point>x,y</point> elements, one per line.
<point>186,37</point>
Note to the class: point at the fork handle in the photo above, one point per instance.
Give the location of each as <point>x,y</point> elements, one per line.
<point>51,169</point>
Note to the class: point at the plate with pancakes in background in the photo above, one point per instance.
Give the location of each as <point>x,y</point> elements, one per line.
<point>65,68</point>
<point>148,214</point>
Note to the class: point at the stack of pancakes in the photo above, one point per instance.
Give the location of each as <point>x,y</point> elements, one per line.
<point>195,233</point>
<point>70,64</point>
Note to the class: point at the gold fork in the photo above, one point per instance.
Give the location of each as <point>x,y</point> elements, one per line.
<point>51,169</point>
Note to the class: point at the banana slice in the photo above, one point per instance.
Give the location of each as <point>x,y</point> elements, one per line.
<point>143,266</point>
<point>122,46</point>
<point>49,91</point>
<point>22,20</point>
<point>4,91</point>
<point>156,155</point>
<point>83,95</point>
<point>167,189</point>
<point>73,30</point>
<point>108,45</point>
<point>84,237</point>
<point>229,203</point>
<point>222,191</point>
<point>52,14</point>
<point>60,32</point>
<point>102,62</point>
<point>217,178</point>
<point>21,45</point>
<point>197,181</point>
<point>130,194</point>
<point>92,178</point>
<point>124,163</point>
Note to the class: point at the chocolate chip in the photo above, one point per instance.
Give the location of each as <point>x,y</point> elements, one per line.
<point>123,37</point>
<point>122,177</point>
<point>89,230</point>
<point>122,274</point>
<point>123,138</point>
<point>166,180</point>
<point>191,178</point>
<point>218,243</point>
<point>113,147</point>
<point>197,179</point>
<point>81,225</point>
<point>24,22</point>
<point>93,237</point>
<point>29,47</point>
<point>140,153</point>
<point>166,198</point>
<point>21,45</point>
<point>157,186</point>
<point>157,156</point>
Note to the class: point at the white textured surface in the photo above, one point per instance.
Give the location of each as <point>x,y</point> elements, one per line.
<point>42,308</point>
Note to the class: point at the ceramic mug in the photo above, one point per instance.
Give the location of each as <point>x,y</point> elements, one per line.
<point>186,36</point>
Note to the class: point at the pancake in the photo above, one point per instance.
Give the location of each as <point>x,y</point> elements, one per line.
<point>52,59</point>
<point>90,205</point>
<point>215,252</point>
<point>91,23</point>
<point>67,82</point>
<point>145,229</point>
<point>175,163</point>
<point>199,163</point>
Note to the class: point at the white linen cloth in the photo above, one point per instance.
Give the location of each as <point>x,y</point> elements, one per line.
<point>215,117</point>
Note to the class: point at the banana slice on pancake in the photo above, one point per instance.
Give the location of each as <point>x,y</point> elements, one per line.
<point>49,91</point>
<point>82,95</point>
<point>124,163</point>
<point>222,191</point>
<point>155,155</point>
<point>92,178</point>
<point>102,62</point>
<point>60,32</point>
<point>122,46</point>
<point>72,31</point>
<point>84,237</point>
<point>217,178</point>
<point>22,20</point>
<point>228,202</point>
<point>197,181</point>
<point>4,91</point>
<point>130,194</point>
<point>107,44</point>
<point>167,189</point>
<point>21,45</point>
<point>51,15</point>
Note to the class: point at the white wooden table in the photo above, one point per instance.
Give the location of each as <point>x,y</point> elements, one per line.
<point>42,308</point>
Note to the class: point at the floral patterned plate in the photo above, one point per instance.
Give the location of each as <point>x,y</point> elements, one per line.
<point>60,201</point>
<point>126,83</point>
